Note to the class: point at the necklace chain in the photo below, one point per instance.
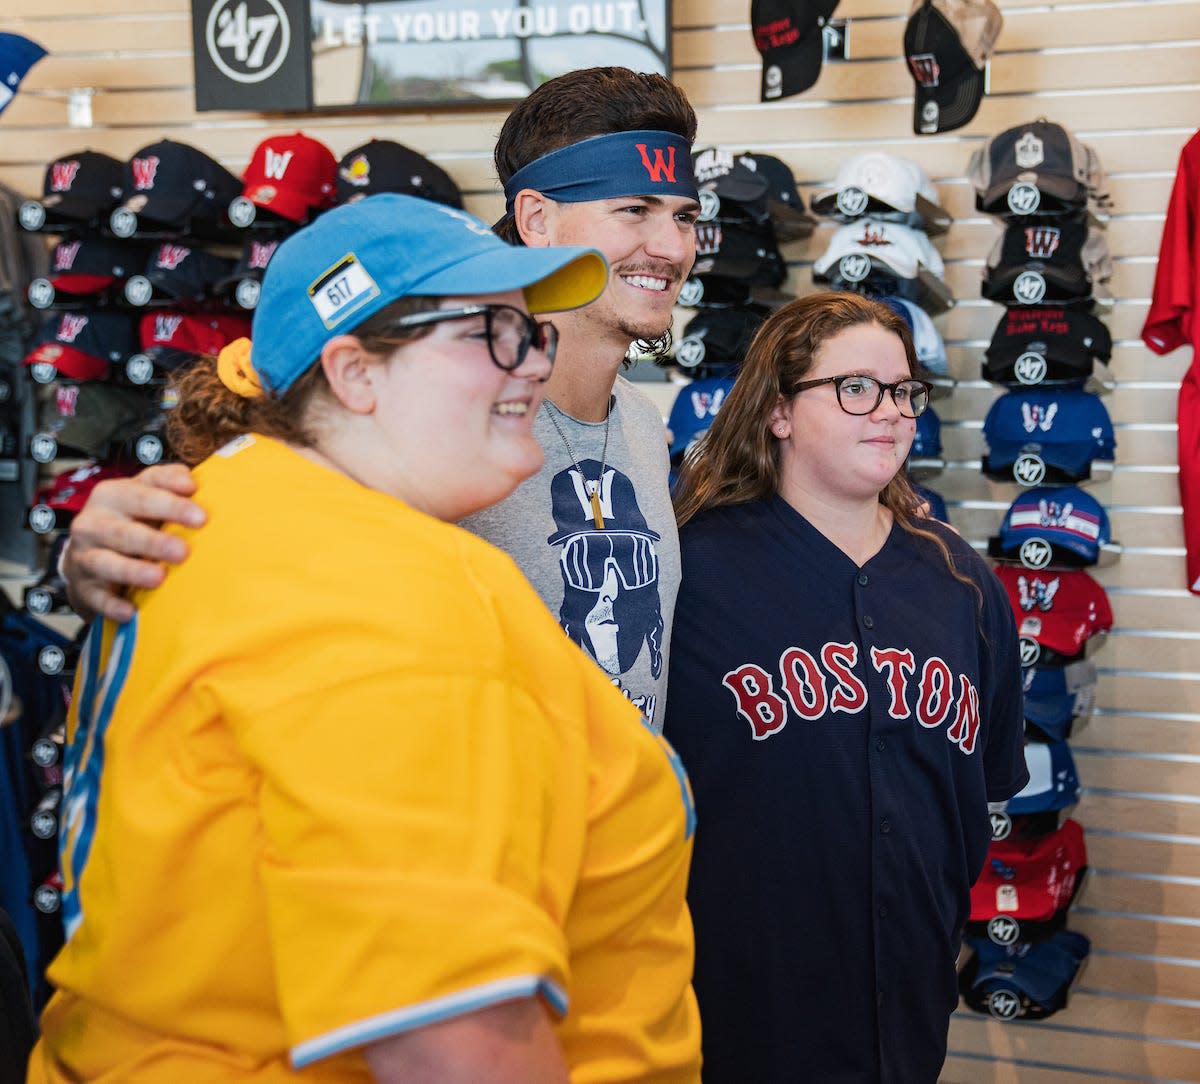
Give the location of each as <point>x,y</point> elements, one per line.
<point>594,495</point>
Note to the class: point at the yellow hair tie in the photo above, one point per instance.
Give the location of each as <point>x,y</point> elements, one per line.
<point>236,370</point>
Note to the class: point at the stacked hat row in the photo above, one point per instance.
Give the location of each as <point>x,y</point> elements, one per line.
<point>1044,432</point>
<point>749,205</point>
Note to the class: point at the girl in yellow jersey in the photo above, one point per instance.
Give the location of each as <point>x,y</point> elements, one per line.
<point>343,803</point>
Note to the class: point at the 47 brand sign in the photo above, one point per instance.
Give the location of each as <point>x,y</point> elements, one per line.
<point>252,54</point>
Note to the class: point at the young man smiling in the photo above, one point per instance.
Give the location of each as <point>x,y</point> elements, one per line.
<point>599,157</point>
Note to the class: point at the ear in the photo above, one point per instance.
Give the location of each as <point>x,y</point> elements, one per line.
<point>780,423</point>
<point>531,214</point>
<point>349,369</point>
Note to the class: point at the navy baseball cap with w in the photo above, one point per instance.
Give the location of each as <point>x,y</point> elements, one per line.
<point>168,185</point>
<point>1046,435</point>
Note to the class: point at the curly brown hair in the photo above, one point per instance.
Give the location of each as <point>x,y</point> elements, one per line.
<point>208,415</point>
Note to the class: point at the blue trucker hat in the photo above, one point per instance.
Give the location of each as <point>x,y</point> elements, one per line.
<point>1046,435</point>
<point>351,262</point>
<point>1052,525</point>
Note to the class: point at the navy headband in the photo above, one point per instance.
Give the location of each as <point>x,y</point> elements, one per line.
<point>645,163</point>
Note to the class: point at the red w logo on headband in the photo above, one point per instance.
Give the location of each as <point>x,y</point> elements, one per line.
<point>660,167</point>
<point>62,175</point>
<point>143,170</point>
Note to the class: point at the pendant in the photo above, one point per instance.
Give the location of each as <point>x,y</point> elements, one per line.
<point>597,517</point>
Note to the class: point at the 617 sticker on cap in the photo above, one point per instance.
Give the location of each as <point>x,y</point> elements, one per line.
<point>342,291</point>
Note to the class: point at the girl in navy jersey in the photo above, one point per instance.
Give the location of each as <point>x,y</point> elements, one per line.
<point>845,695</point>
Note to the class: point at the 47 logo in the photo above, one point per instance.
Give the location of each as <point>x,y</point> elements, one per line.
<point>249,40</point>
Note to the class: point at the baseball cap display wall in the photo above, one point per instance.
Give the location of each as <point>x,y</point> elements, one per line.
<point>885,187</point>
<point>1046,435</point>
<point>1037,169</point>
<point>789,35</point>
<point>947,44</point>
<point>383,165</point>
<point>751,188</point>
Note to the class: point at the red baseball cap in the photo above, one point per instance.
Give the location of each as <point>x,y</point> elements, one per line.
<point>69,491</point>
<point>1060,610</point>
<point>291,175</point>
<point>1030,879</point>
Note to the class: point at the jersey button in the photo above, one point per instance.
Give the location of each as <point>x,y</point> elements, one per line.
<point>881,745</point>
<point>863,579</point>
<point>885,826</point>
<point>869,621</point>
<point>883,911</point>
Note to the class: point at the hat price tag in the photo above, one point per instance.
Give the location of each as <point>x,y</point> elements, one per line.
<point>79,107</point>
<point>835,40</point>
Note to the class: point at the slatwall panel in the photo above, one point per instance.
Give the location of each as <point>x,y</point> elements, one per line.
<point>1124,75</point>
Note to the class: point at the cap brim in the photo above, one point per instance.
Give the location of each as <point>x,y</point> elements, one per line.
<point>553,279</point>
<point>71,363</point>
<point>289,205</point>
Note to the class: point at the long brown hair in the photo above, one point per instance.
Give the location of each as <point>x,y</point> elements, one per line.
<point>738,459</point>
<point>208,415</point>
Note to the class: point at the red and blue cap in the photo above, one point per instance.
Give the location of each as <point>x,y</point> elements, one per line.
<point>1055,610</point>
<point>1049,526</point>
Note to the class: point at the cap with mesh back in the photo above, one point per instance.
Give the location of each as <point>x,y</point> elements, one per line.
<point>947,44</point>
<point>1038,168</point>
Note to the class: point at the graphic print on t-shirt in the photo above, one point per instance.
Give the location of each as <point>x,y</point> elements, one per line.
<point>611,606</point>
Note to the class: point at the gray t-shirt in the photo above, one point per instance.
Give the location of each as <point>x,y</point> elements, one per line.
<point>612,589</point>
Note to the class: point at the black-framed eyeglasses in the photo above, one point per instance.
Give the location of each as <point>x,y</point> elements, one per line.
<point>510,332</point>
<point>859,394</point>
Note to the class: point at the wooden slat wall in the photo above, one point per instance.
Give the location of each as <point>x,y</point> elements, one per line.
<point>1124,75</point>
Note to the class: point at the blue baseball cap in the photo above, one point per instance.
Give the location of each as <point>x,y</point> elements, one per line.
<point>17,55</point>
<point>1046,435</point>
<point>1057,697</point>
<point>927,340</point>
<point>694,409</point>
<point>1053,782</point>
<point>1052,525</point>
<point>937,505</point>
<point>1029,980</point>
<point>927,442</point>
<point>353,261</point>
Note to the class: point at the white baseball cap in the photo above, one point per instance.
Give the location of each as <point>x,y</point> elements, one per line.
<point>885,186</point>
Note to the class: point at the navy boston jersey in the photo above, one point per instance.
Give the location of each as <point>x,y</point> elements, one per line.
<point>844,729</point>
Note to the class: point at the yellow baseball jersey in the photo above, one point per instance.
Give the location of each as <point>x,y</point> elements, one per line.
<point>343,776</point>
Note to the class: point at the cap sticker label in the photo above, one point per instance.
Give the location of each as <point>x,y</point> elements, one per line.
<point>1029,287</point>
<point>1029,470</point>
<point>1035,553</point>
<point>690,351</point>
<point>1024,199</point>
<point>1003,1004</point>
<point>855,267</point>
<point>1029,151</point>
<point>1031,651</point>
<point>1030,368</point>
<point>772,81</point>
<point>852,201</point>
<point>342,291</point>
<point>710,205</point>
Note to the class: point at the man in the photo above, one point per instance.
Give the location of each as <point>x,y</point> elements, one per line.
<point>598,157</point>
